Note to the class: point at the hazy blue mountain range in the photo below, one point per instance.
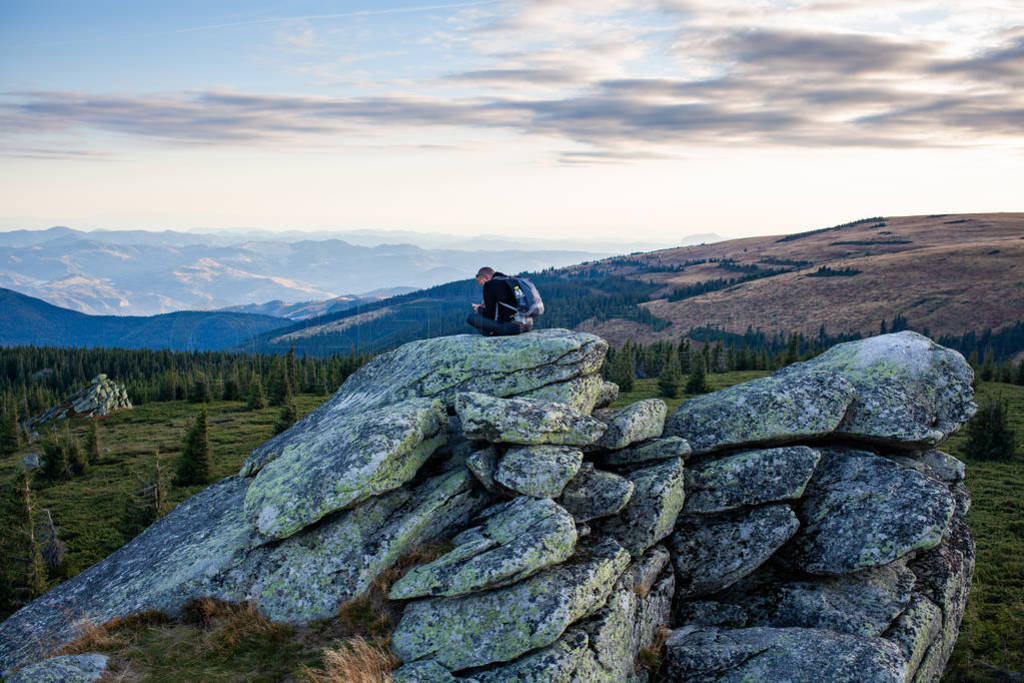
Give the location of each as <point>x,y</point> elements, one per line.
<point>304,310</point>
<point>145,273</point>
<point>27,320</point>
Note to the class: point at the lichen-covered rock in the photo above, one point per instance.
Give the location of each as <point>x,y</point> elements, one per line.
<point>789,406</point>
<point>709,613</point>
<point>162,568</point>
<point>781,654</point>
<point>650,514</point>
<point>483,464</point>
<point>341,463</point>
<point>515,540</point>
<point>504,623</point>
<point>865,603</point>
<point>579,393</point>
<point>944,577</point>
<point>749,478</point>
<point>655,449</point>
<point>915,630</point>
<point>711,552</point>
<point>30,461</point>
<point>628,622</point>
<point>607,396</point>
<point>538,471</point>
<point>593,493</point>
<point>944,466</point>
<point>423,671</point>
<point>554,664</point>
<point>636,422</point>
<point>306,576</point>
<point>854,513</point>
<point>910,392</point>
<point>63,669</point>
<point>443,366</point>
<point>525,421</point>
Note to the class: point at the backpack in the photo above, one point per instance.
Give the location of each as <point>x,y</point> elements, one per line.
<point>528,302</point>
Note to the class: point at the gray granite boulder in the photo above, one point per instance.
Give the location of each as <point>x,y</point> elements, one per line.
<point>781,654</point>
<point>749,478</point>
<point>422,671</point>
<point>638,421</point>
<point>915,631</point>
<point>650,514</point>
<point>30,461</point>
<point>525,421</point>
<point>944,466</point>
<point>342,463</point>
<point>63,669</point>
<point>502,624</point>
<point>648,451</point>
<point>865,603</point>
<point>538,471</point>
<point>607,396</point>
<point>516,539</point>
<point>711,552</point>
<point>579,393</point>
<point>593,493</point>
<point>910,392</point>
<point>483,464</point>
<point>854,513</point>
<point>306,576</point>
<point>789,406</point>
<point>444,366</point>
<point>556,663</point>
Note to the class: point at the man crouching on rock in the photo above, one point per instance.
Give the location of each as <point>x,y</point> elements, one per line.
<point>496,315</point>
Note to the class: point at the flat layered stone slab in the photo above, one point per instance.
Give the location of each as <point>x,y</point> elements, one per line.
<point>658,496</point>
<point>636,422</point>
<point>781,654</point>
<point>865,603</point>
<point>749,478</point>
<point>607,396</point>
<point>516,540</point>
<point>502,624</point>
<point>556,663</point>
<point>306,576</point>
<point>538,471</point>
<point>861,510</point>
<point>362,455</point>
<point>579,393</point>
<point>944,466</point>
<point>648,451</point>
<point>789,406</point>
<point>712,552</point>
<point>441,367</point>
<point>915,631</point>
<point>593,493</point>
<point>525,421</point>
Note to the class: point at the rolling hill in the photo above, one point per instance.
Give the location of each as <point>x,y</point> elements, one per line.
<point>946,274</point>
<point>25,320</point>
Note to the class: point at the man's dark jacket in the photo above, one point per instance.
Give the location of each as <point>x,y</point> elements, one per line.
<point>498,290</point>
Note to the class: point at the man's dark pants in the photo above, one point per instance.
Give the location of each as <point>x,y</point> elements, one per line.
<point>494,328</point>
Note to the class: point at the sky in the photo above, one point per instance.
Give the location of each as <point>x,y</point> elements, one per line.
<point>650,119</point>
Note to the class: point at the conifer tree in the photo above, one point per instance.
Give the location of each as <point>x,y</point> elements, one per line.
<point>147,503</point>
<point>255,399</point>
<point>55,466</point>
<point>622,370</point>
<point>194,461</point>
<point>289,414</point>
<point>1018,375</point>
<point>23,567</point>
<point>696,383</point>
<point>10,432</point>
<point>77,458</point>
<point>792,350</point>
<point>989,437</point>
<point>669,379</point>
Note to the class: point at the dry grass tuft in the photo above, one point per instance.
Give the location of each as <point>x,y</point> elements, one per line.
<point>652,657</point>
<point>113,634</point>
<point>356,660</point>
<point>242,624</point>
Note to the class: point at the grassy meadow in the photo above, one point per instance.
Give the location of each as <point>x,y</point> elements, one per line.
<point>214,642</point>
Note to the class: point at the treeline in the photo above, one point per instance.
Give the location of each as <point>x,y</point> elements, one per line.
<point>35,378</point>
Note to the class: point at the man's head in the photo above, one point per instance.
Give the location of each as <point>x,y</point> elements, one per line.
<point>484,274</point>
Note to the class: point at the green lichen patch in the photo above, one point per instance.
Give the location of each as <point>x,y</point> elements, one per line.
<point>525,421</point>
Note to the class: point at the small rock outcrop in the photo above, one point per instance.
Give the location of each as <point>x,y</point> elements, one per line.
<point>799,526</point>
<point>102,397</point>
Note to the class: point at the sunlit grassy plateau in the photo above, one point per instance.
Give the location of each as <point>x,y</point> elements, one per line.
<point>219,643</point>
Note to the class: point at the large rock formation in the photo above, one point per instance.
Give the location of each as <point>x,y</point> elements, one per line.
<point>102,397</point>
<point>800,525</point>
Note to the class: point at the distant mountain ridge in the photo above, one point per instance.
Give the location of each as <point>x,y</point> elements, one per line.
<point>142,273</point>
<point>26,320</point>
<point>947,274</point>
